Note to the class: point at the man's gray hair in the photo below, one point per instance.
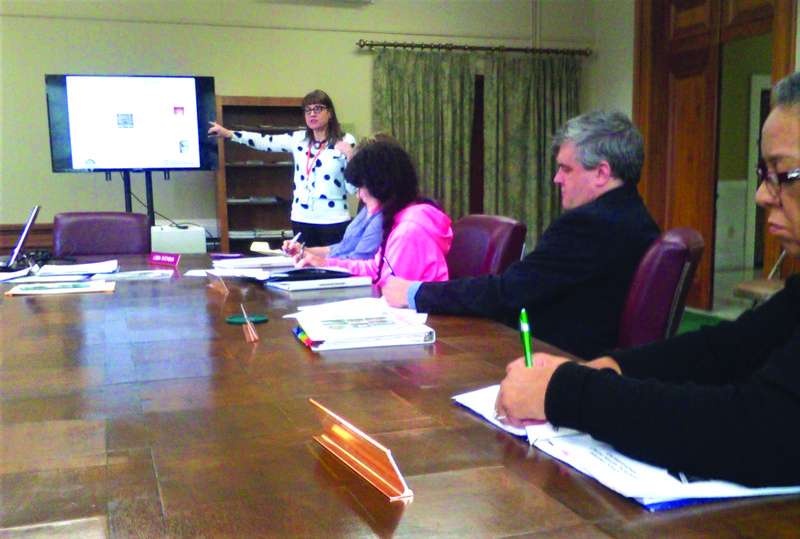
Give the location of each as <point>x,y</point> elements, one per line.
<point>605,136</point>
<point>787,92</point>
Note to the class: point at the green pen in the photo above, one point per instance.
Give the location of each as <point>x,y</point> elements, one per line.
<point>525,332</point>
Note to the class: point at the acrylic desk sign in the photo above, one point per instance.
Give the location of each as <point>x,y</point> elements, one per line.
<point>249,329</point>
<point>164,259</point>
<point>216,283</point>
<point>362,454</point>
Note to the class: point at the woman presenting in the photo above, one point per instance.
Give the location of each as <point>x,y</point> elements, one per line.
<point>321,152</point>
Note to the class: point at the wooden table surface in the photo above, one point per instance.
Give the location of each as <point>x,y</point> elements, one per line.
<point>142,413</point>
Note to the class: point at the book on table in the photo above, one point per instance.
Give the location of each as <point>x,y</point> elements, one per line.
<point>360,323</point>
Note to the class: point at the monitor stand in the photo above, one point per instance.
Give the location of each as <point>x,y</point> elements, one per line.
<point>148,183</point>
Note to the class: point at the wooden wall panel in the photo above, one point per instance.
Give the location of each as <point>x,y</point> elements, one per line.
<point>691,156</point>
<point>745,18</point>
<point>689,18</point>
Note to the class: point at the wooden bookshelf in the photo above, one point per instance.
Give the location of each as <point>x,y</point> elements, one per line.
<point>254,188</point>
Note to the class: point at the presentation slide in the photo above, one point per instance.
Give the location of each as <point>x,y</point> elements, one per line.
<point>133,122</point>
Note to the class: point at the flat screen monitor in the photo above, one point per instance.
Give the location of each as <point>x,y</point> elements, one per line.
<point>114,122</point>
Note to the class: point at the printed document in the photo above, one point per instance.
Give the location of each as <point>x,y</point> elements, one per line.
<point>653,487</point>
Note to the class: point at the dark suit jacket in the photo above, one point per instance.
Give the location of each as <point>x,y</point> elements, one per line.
<point>573,284</point>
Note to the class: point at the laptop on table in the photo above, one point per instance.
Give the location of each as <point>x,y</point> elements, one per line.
<point>17,252</point>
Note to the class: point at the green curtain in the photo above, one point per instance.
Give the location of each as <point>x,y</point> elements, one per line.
<point>425,99</point>
<point>526,99</point>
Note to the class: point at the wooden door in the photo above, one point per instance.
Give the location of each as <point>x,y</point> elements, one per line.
<point>676,88</point>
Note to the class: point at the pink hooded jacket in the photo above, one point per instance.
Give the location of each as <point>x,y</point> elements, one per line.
<point>415,249</point>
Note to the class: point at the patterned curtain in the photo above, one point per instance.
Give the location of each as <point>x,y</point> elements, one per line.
<point>425,99</point>
<point>527,98</point>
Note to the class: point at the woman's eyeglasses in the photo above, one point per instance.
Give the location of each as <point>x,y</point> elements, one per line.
<point>316,109</point>
<point>774,180</point>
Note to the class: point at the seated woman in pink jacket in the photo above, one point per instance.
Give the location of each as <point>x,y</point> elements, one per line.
<point>416,234</point>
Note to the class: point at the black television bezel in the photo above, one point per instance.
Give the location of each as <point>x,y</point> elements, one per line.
<point>59,133</point>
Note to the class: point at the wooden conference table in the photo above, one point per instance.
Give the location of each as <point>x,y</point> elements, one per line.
<point>143,414</point>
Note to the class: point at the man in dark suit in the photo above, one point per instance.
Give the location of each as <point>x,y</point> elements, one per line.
<point>573,284</point>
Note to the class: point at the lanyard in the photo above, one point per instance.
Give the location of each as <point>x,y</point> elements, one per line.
<point>309,161</point>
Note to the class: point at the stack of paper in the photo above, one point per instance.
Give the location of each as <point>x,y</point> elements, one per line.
<point>360,323</point>
<point>258,274</point>
<point>11,275</point>
<point>81,287</point>
<point>653,487</point>
<point>254,262</point>
<point>107,266</point>
<point>66,279</point>
<point>310,278</point>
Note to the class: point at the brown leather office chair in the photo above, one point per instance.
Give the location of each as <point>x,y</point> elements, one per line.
<point>485,244</point>
<point>100,233</point>
<point>657,296</point>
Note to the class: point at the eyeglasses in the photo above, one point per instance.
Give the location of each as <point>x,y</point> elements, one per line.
<point>774,180</point>
<point>316,109</point>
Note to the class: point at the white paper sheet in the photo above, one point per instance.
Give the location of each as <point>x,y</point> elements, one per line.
<point>253,273</point>
<point>481,401</point>
<point>255,262</point>
<point>649,485</point>
<point>9,275</point>
<point>362,306</point>
<point>107,266</point>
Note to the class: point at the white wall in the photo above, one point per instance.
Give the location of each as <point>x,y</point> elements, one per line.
<point>608,82</point>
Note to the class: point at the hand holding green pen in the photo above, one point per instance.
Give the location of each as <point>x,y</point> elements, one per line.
<point>525,333</point>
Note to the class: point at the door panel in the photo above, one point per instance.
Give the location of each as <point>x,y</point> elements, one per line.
<point>690,19</point>
<point>691,156</point>
<point>676,77</point>
<point>745,18</point>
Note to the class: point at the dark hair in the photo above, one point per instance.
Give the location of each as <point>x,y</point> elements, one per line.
<point>387,172</point>
<point>787,91</point>
<point>379,136</point>
<point>333,131</point>
<point>605,136</point>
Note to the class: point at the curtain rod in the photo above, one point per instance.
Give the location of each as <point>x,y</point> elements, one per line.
<point>450,47</point>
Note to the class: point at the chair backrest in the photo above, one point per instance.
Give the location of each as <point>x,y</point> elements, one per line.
<point>100,233</point>
<point>484,244</point>
<point>657,296</point>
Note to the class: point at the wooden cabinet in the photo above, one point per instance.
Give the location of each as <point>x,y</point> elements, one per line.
<point>254,188</point>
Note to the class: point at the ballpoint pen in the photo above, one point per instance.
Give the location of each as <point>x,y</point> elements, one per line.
<point>293,241</point>
<point>386,261</point>
<point>525,332</point>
